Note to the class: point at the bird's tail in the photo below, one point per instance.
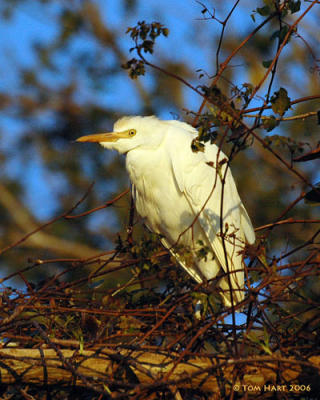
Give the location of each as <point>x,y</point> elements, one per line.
<point>237,292</point>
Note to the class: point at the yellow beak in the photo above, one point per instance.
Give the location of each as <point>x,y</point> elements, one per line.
<point>101,137</point>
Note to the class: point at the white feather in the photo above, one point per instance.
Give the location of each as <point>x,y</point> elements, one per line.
<point>179,193</point>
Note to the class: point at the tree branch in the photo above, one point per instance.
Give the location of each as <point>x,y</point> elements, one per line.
<point>32,367</point>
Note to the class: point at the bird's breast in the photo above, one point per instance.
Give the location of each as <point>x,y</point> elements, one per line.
<point>158,200</point>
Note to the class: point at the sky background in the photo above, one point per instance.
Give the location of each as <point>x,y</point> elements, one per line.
<point>30,24</point>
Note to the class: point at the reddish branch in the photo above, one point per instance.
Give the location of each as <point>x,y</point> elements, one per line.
<point>288,221</point>
<point>105,205</point>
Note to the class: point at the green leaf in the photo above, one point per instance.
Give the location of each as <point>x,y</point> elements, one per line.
<point>294,6</point>
<point>263,259</point>
<point>144,36</point>
<point>165,32</point>
<point>246,93</point>
<point>135,67</point>
<point>269,123</point>
<point>203,299</point>
<point>280,34</point>
<point>253,337</point>
<point>267,9</point>
<point>267,64</point>
<point>266,349</point>
<point>81,345</point>
<point>215,302</point>
<point>280,101</point>
<point>270,4</point>
<point>283,32</point>
<point>264,11</point>
<point>255,277</point>
<point>106,388</point>
<point>197,146</point>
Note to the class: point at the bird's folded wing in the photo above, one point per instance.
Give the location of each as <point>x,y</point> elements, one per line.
<point>189,269</point>
<point>199,178</point>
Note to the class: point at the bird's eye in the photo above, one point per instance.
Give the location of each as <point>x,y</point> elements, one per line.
<point>132,132</point>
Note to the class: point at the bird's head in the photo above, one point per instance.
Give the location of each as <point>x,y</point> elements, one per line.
<point>128,134</point>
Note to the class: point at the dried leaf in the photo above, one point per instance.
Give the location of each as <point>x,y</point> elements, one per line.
<point>280,101</point>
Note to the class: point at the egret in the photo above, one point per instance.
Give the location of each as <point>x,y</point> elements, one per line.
<point>189,198</point>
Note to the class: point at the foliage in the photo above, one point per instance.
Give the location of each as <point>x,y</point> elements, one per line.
<point>80,272</point>
<point>280,102</point>
<point>144,36</point>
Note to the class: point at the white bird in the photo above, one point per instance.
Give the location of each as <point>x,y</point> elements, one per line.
<point>178,194</point>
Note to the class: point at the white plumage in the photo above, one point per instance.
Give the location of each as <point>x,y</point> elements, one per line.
<point>178,194</point>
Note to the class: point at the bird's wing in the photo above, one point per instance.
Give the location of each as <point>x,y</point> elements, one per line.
<point>190,269</point>
<point>199,178</point>
<point>246,225</point>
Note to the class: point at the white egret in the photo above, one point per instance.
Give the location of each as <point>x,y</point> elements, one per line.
<point>178,194</point>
